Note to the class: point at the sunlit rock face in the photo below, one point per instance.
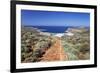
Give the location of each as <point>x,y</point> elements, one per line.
<point>69,34</point>
<point>45,33</point>
<point>59,34</point>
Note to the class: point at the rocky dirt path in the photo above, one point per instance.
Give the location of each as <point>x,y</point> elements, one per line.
<point>55,52</point>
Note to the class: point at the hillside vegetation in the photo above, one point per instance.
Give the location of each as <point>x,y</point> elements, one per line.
<point>33,45</point>
<point>39,46</point>
<point>77,46</point>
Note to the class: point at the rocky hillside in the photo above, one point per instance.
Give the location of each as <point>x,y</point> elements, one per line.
<point>33,44</point>
<point>77,46</point>
<point>37,46</point>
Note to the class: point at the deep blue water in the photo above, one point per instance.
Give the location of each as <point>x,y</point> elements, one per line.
<point>53,29</point>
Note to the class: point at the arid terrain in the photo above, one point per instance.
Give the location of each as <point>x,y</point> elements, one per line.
<point>37,46</point>
<point>55,52</point>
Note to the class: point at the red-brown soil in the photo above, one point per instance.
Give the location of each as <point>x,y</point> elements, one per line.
<point>55,52</point>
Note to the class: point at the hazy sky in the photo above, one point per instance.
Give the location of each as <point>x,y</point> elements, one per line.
<point>50,18</point>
